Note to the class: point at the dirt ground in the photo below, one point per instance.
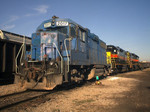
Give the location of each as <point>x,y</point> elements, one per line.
<point>126,92</point>
<point>9,89</point>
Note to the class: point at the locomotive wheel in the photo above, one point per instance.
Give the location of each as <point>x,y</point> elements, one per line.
<point>92,73</point>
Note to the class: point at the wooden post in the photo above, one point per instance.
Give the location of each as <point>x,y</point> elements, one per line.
<point>14,56</point>
<point>4,58</point>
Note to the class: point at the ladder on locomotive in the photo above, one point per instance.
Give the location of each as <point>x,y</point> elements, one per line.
<point>113,63</point>
<point>129,60</point>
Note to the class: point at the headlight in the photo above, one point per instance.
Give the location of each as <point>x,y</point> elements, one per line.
<point>22,64</point>
<point>46,25</point>
<point>51,63</point>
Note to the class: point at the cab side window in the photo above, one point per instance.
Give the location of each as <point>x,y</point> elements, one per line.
<point>73,30</point>
<point>82,35</point>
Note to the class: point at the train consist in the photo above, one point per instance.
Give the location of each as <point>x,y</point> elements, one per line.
<point>64,52</point>
<point>121,60</point>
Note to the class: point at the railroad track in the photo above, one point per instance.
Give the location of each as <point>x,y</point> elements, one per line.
<point>12,100</point>
<point>30,98</point>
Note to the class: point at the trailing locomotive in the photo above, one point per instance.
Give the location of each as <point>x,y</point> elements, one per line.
<point>121,60</point>
<point>62,51</point>
<point>144,64</point>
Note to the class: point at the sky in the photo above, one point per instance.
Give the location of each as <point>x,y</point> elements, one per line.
<point>123,23</point>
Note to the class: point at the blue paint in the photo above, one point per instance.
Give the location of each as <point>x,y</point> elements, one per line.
<point>85,49</point>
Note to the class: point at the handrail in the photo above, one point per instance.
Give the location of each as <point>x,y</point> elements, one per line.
<point>60,56</point>
<point>1,34</point>
<point>67,51</point>
<point>23,51</point>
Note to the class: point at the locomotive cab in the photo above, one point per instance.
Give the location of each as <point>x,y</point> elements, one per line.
<point>112,49</point>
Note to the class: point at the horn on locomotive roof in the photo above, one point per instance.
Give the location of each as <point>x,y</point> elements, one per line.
<point>55,17</point>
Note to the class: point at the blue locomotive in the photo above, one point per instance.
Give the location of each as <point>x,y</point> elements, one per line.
<point>62,52</point>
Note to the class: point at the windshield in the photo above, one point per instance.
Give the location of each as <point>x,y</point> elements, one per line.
<point>59,29</point>
<point>111,49</point>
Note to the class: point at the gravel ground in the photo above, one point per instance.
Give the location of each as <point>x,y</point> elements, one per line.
<point>127,92</point>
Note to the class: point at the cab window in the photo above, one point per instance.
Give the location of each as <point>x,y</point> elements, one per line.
<point>82,35</point>
<point>59,29</point>
<point>73,30</point>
